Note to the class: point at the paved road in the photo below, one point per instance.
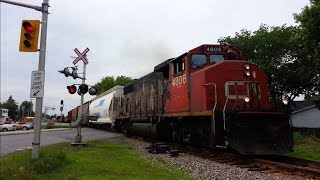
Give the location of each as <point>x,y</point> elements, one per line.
<point>16,142</point>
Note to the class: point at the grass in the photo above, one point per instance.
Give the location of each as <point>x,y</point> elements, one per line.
<point>98,160</point>
<point>306,147</point>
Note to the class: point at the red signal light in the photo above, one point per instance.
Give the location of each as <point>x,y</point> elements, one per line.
<point>72,89</point>
<point>28,27</point>
<point>29,36</point>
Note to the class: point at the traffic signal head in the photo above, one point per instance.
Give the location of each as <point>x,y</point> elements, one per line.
<point>83,88</point>
<point>72,89</point>
<point>29,36</point>
<point>65,71</point>
<point>93,91</point>
<point>74,73</point>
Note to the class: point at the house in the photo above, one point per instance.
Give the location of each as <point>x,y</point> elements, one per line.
<point>4,115</point>
<point>306,117</point>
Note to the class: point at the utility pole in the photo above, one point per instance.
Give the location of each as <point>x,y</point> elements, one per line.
<point>41,67</point>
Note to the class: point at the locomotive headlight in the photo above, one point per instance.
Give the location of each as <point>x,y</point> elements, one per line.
<point>247,73</point>
<point>247,99</point>
<point>285,101</point>
<point>246,66</point>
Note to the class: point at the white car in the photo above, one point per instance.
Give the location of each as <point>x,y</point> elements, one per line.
<point>7,127</point>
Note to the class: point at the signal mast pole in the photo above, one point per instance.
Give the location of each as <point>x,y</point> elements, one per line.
<point>41,67</point>
<point>78,138</point>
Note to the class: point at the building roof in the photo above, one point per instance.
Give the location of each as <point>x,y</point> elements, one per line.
<point>297,106</point>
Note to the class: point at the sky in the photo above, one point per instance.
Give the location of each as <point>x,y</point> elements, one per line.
<point>125,37</point>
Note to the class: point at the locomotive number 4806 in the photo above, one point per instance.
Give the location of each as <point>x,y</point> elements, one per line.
<point>179,80</point>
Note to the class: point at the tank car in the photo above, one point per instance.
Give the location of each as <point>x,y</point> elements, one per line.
<point>103,108</point>
<point>209,96</point>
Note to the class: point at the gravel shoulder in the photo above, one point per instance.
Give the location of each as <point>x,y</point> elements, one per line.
<point>200,168</point>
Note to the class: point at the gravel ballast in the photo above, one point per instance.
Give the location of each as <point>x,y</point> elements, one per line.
<point>200,168</point>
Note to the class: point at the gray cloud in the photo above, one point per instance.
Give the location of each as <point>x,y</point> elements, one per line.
<point>125,37</point>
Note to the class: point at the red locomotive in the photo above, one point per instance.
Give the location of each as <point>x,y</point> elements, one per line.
<point>209,96</point>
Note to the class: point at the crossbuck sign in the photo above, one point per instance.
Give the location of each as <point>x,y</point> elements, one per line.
<point>81,56</point>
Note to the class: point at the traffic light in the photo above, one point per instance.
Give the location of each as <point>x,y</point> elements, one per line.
<point>93,91</point>
<point>65,71</point>
<point>29,36</point>
<point>75,73</point>
<point>72,89</point>
<point>83,88</point>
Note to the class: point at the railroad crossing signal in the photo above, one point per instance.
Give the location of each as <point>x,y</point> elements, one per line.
<point>74,72</point>
<point>29,36</point>
<point>81,56</point>
<point>65,71</point>
<point>72,89</point>
<point>83,89</point>
<point>93,91</point>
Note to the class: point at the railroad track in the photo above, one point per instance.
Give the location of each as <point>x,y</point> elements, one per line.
<point>281,165</point>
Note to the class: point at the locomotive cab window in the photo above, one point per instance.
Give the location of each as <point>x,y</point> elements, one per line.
<point>215,58</point>
<point>198,60</point>
<point>178,66</point>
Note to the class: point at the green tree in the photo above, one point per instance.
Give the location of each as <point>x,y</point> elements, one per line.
<point>309,20</point>
<point>25,109</point>
<point>280,52</point>
<point>309,24</point>
<point>109,82</point>
<point>11,105</point>
<point>122,80</point>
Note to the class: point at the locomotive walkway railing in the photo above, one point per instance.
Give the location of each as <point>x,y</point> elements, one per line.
<point>213,119</point>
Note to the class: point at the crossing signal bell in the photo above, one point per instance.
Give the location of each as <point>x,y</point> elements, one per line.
<point>72,89</point>
<point>29,36</point>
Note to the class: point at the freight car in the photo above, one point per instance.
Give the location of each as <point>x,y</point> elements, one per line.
<point>209,96</point>
<point>101,108</point>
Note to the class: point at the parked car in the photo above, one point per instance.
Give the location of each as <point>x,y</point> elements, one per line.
<point>24,125</point>
<point>7,127</point>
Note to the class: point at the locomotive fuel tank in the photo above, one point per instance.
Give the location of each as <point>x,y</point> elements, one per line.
<point>144,129</point>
